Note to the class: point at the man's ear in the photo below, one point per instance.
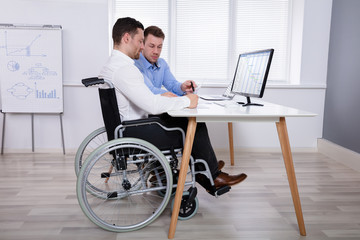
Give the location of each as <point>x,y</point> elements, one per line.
<point>126,37</point>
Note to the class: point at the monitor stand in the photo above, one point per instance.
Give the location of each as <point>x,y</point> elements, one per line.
<point>249,103</point>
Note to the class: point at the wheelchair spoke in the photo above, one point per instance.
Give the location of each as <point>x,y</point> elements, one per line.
<point>93,141</point>
<point>116,206</point>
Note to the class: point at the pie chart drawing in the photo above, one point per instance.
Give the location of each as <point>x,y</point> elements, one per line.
<point>13,66</point>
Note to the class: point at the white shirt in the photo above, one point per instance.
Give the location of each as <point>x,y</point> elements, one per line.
<point>134,98</point>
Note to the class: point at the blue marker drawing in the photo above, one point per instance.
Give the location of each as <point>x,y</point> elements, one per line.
<point>45,94</point>
<point>13,66</point>
<point>39,72</point>
<point>20,91</point>
<point>25,50</point>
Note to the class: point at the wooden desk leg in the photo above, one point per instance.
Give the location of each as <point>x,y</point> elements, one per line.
<point>231,142</point>
<point>289,165</point>
<point>190,134</point>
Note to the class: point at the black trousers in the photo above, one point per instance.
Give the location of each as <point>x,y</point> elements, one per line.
<point>202,148</point>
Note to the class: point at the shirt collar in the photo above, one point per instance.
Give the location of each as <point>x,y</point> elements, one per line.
<point>147,64</point>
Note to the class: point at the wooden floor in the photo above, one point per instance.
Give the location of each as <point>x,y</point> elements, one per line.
<point>38,201</point>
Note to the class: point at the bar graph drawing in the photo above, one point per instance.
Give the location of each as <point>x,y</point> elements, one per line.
<point>50,94</point>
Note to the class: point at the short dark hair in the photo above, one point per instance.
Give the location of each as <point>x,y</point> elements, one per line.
<point>125,25</point>
<point>154,30</point>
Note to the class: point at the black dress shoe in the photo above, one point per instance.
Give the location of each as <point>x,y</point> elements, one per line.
<point>221,164</point>
<point>224,179</point>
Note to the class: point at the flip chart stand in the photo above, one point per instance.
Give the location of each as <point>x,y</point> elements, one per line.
<point>32,132</point>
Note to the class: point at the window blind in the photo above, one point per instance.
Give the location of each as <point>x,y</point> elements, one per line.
<point>155,12</point>
<point>263,24</point>
<point>208,35</point>
<point>202,33</point>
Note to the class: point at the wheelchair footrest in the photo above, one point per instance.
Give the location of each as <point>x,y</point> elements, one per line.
<point>220,191</point>
<point>205,183</point>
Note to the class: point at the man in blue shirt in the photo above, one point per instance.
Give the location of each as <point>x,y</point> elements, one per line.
<point>156,74</point>
<point>155,69</point>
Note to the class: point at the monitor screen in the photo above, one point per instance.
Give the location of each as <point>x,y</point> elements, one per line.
<point>251,73</point>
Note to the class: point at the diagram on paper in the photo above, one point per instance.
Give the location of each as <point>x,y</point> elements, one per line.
<point>39,72</point>
<point>22,49</point>
<point>13,66</point>
<point>20,91</point>
<point>42,93</point>
<point>31,69</point>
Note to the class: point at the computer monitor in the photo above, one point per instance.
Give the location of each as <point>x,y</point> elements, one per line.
<point>251,74</point>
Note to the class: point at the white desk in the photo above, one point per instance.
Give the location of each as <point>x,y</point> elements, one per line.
<point>235,113</point>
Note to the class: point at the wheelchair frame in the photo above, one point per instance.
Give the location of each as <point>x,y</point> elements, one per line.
<point>130,173</point>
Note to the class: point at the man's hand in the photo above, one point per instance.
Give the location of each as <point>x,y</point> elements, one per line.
<point>168,94</point>
<point>186,86</point>
<point>193,100</point>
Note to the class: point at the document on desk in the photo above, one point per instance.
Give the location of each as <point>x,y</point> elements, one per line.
<point>226,103</point>
<point>203,104</point>
<point>210,104</point>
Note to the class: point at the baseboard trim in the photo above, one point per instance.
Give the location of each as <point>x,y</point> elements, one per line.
<point>340,154</point>
<point>40,150</point>
<point>265,150</point>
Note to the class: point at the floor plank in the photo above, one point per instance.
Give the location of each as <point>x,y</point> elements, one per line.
<point>38,201</point>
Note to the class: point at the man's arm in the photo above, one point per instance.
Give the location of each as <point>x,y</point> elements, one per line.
<point>151,86</point>
<point>170,82</point>
<point>156,90</point>
<point>140,65</point>
<point>131,84</point>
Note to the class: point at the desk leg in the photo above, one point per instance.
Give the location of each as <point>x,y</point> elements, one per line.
<point>289,165</point>
<point>231,142</point>
<point>190,134</point>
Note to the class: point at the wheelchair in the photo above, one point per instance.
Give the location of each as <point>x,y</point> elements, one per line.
<point>127,171</point>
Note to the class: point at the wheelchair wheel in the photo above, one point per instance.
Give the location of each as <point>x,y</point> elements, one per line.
<point>89,144</point>
<point>124,200</point>
<point>175,176</point>
<point>187,210</point>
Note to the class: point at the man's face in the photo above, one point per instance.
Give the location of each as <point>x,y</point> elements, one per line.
<point>152,48</point>
<point>137,44</point>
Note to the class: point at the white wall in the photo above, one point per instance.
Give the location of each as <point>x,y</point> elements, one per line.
<point>85,47</point>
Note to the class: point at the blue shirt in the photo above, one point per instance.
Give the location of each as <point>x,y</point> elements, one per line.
<point>158,75</point>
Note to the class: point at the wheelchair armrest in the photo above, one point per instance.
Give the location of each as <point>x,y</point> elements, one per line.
<point>92,81</point>
<point>96,81</point>
<point>136,128</point>
<point>142,121</point>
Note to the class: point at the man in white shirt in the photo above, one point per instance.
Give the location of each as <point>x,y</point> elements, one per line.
<point>135,100</point>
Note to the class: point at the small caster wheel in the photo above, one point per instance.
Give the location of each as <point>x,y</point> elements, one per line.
<point>187,210</point>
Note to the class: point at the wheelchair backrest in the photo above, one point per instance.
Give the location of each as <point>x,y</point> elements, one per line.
<point>108,102</point>
<point>110,110</point>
